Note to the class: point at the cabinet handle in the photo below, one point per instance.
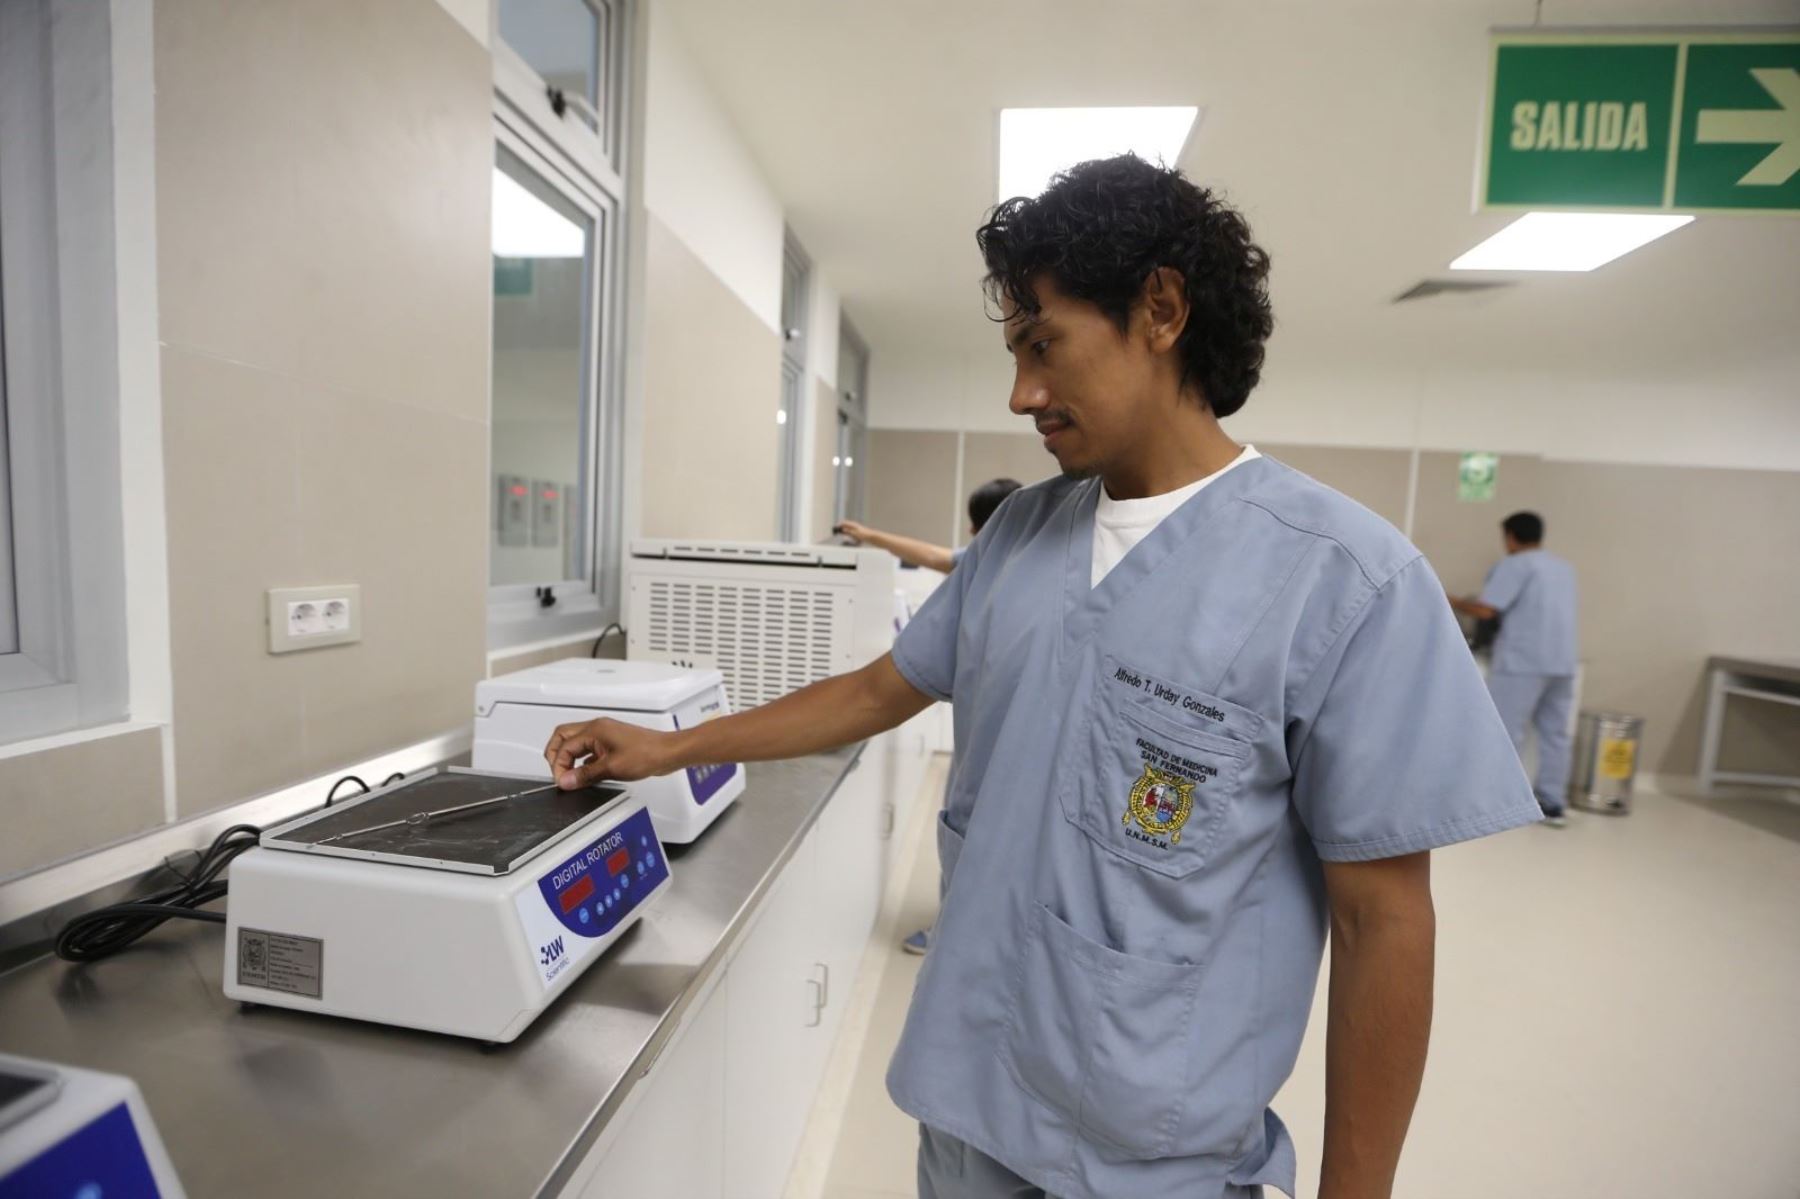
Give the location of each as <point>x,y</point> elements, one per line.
<point>818,1006</point>
<point>825,986</point>
<point>887,821</point>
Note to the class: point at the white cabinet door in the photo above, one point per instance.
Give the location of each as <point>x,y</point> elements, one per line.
<point>850,871</point>
<point>773,1005</point>
<point>910,755</point>
<point>671,1144</point>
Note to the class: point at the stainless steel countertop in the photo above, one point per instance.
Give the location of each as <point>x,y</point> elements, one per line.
<point>276,1103</point>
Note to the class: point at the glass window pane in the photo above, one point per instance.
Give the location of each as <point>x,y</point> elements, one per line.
<point>543,279</point>
<point>560,40</point>
<point>9,612</point>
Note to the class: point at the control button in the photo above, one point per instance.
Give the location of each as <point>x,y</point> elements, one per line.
<point>625,881</point>
<point>615,895</point>
<point>643,840</point>
<point>652,860</point>
<point>584,915</point>
<point>640,870</point>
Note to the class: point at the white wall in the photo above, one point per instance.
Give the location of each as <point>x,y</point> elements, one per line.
<point>1745,418</point>
<point>704,186</point>
<point>701,181</point>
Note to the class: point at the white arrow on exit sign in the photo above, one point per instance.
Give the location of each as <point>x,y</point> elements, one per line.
<point>1762,125</point>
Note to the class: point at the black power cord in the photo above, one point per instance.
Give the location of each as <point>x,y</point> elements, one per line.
<point>348,778</point>
<point>595,652</point>
<point>105,931</point>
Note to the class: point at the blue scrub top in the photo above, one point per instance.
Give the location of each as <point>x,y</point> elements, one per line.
<point>1534,592</point>
<point>1149,774</point>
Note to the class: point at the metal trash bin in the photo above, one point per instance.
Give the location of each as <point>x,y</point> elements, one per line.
<point>1605,765</point>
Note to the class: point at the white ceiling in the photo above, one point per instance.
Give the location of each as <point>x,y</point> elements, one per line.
<point>1345,129</point>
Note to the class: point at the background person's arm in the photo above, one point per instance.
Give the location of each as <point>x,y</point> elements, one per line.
<point>1475,608</point>
<point>908,549</point>
<point>829,713</point>
<point>1383,940</point>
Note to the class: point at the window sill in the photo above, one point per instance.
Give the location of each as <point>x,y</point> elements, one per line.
<point>513,624</point>
<point>38,745</point>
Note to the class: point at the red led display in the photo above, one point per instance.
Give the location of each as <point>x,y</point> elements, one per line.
<point>618,861</point>
<point>572,898</point>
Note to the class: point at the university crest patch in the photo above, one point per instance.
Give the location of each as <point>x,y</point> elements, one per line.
<point>1160,803</point>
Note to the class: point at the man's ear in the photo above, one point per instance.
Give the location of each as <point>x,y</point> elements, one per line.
<point>1164,303</point>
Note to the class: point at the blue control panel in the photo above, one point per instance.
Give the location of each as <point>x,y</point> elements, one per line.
<point>595,889</point>
<point>102,1159</point>
<point>706,780</point>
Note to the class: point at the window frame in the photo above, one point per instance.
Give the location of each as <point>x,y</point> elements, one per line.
<point>796,312</point>
<point>589,167</point>
<point>59,373</point>
<point>852,413</point>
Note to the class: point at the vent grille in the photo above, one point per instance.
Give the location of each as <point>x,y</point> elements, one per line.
<point>768,639</point>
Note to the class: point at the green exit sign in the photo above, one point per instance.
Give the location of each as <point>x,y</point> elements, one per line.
<point>1690,122</point>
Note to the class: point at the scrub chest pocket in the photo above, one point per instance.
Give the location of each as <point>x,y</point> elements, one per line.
<point>1145,785</point>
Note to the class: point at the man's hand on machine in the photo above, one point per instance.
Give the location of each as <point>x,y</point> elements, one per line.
<point>612,749</point>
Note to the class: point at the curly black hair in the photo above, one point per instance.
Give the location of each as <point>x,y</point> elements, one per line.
<point>1102,227</point>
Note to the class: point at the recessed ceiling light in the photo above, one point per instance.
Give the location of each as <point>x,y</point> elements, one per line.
<point>526,227</point>
<point>1567,241</point>
<point>1035,143</point>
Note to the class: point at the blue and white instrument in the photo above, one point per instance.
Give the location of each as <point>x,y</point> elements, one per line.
<point>516,713</point>
<point>452,901</point>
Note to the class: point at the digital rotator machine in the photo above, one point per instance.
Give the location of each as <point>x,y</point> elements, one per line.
<point>465,901</point>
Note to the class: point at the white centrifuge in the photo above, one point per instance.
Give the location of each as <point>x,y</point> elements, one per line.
<point>516,713</point>
<point>452,901</point>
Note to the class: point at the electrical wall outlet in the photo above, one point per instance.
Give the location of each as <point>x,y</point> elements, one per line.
<point>309,617</point>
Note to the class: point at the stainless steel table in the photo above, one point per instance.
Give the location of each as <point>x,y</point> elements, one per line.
<point>1770,679</point>
<point>275,1103</point>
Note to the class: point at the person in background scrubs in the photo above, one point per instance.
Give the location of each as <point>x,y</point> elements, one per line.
<point>983,502</point>
<point>1531,674</point>
<point>1208,713</point>
<point>941,558</point>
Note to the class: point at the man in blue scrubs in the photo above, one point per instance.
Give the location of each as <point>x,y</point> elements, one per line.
<point>1208,712</point>
<point>1531,674</point>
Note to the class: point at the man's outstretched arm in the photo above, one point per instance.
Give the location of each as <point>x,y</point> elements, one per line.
<point>829,713</point>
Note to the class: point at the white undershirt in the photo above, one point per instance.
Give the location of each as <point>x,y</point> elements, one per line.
<point>1121,524</point>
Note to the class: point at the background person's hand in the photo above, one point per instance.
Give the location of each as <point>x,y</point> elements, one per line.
<point>854,530</point>
<point>612,749</point>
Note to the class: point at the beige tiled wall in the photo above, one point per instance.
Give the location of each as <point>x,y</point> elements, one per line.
<point>912,483</point>
<point>712,386</point>
<point>988,456</point>
<point>322,184</point>
<point>59,802</point>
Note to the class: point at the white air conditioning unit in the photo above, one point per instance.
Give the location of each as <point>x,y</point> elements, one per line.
<point>770,617</point>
